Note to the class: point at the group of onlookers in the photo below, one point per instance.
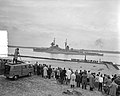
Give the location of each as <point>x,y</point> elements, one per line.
<point>85,79</point>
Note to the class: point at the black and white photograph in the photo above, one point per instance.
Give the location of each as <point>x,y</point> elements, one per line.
<point>59,47</point>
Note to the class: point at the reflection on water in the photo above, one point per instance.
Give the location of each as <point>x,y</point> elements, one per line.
<point>115,58</point>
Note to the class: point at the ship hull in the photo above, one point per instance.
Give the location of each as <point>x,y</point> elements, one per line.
<point>62,51</point>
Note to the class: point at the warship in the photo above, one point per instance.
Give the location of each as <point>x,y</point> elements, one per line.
<point>55,49</point>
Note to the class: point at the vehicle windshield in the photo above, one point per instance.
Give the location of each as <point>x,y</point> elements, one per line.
<point>7,69</point>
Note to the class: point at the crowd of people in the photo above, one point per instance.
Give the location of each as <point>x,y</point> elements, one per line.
<point>82,78</point>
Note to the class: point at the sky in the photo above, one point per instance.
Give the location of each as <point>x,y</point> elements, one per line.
<point>87,24</point>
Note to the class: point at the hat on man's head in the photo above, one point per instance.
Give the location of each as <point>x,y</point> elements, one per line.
<point>17,48</point>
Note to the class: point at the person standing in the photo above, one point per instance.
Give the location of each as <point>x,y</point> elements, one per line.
<point>91,81</point>
<point>57,74</point>
<point>35,68</point>
<point>109,81</point>
<point>96,81</point>
<point>64,76</point>
<point>53,73</point>
<point>38,69</point>
<point>72,80</point>
<point>88,77</point>
<point>45,71</point>
<point>113,88</point>
<point>84,80</point>
<point>61,76</point>
<point>100,83</point>
<point>16,54</point>
<point>78,79</point>
<point>42,70</point>
<point>49,71</point>
<point>68,73</point>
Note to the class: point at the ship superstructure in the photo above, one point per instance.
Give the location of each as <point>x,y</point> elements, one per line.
<point>55,49</point>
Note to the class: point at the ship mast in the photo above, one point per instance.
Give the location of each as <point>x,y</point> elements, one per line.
<point>54,41</point>
<point>65,43</point>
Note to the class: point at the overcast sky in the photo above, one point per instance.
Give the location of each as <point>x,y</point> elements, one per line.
<point>88,24</point>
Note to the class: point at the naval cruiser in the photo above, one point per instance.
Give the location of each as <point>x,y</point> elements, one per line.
<point>55,49</point>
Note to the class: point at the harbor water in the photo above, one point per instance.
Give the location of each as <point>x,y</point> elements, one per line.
<point>115,58</point>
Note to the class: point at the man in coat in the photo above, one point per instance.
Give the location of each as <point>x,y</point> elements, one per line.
<point>91,82</point>
<point>113,88</point>
<point>68,73</point>
<point>84,80</point>
<point>78,79</point>
<point>16,54</point>
<point>45,71</point>
<point>49,71</point>
<point>72,80</point>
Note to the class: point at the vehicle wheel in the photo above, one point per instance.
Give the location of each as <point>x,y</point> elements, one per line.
<point>15,77</point>
<point>7,77</point>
